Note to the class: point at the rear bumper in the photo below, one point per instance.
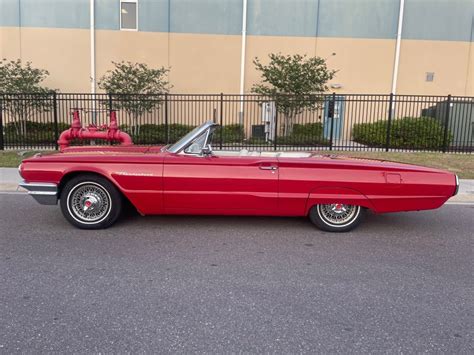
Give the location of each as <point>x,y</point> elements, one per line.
<point>456,190</point>
<point>43,192</point>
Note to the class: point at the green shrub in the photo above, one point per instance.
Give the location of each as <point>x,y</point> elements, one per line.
<point>39,133</point>
<point>309,129</point>
<point>257,141</point>
<point>232,133</point>
<point>156,134</point>
<point>44,134</point>
<point>177,131</point>
<point>407,132</point>
<point>305,134</point>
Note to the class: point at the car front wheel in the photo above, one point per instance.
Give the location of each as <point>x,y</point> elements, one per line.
<point>336,217</point>
<point>90,202</point>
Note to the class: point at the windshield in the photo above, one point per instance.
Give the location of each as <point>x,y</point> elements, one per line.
<point>185,138</point>
<point>197,145</point>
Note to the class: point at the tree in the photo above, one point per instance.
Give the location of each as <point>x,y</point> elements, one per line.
<point>135,88</point>
<point>294,82</point>
<point>19,78</point>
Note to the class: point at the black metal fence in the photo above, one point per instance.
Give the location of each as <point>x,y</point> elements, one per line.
<point>323,122</point>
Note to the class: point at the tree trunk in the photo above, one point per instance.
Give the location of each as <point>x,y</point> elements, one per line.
<point>131,119</point>
<point>23,118</point>
<point>134,123</point>
<point>288,124</point>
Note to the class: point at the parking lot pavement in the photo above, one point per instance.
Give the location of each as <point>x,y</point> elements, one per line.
<point>399,283</point>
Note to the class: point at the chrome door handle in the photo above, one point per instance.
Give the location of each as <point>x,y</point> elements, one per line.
<point>268,167</point>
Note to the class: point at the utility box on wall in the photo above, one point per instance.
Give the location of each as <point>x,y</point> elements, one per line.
<point>333,117</point>
<point>268,119</point>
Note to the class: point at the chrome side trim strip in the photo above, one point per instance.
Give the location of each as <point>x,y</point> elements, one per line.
<point>46,193</point>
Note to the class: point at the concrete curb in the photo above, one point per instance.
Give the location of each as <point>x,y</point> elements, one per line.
<point>9,180</point>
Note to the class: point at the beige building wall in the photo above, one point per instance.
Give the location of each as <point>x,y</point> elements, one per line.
<point>141,47</point>
<point>10,43</point>
<point>363,65</point>
<point>65,53</point>
<point>204,63</point>
<point>262,46</point>
<point>450,61</point>
<point>470,72</point>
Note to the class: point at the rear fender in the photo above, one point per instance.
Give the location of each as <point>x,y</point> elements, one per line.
<point>326,195</point>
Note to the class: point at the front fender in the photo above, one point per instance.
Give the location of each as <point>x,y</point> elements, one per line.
<point>143,189</point>
<point>326,195</point>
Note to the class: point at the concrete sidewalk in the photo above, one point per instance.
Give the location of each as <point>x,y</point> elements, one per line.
<point>9,180</point>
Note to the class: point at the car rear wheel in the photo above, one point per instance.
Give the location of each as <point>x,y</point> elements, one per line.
<point>336,217</point>
<point>90,202</point>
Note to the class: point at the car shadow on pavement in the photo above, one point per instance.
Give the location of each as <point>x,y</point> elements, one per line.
<point>373,223</point>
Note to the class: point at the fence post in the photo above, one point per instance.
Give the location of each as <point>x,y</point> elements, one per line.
<point>331,133</point>
<point>167,133</point>
<point>389,123</point>
<point>110,103</point>
<point>221,121</point>
<point>55,117</point>
<point>276,128</point>
<point>2,145</point>
<point>446,124</point>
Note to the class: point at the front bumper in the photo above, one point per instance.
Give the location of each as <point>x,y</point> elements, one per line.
<point>43,192</point>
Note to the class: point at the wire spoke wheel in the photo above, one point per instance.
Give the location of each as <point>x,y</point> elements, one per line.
<point>336,217</point>
<point>89,202</point>
<point>337,213</point>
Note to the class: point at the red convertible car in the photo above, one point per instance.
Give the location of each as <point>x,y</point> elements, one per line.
<point>92,183</point>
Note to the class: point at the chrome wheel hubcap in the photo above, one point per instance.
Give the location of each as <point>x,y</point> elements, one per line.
<point>337,213</point>
<point>89,202</point>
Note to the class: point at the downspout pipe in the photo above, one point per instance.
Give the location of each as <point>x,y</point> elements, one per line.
<point>242,57</point>
<point>92,69</point>
<point>92,42</point>
<point>397,47</point>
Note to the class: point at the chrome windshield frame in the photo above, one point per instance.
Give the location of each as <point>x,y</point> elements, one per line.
<point>177,148</point>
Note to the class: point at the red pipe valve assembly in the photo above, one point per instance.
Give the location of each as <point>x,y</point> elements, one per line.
<point>109,133</point>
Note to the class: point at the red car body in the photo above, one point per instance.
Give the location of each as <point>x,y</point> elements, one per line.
<point>159,182</point>
<point>189,178</point>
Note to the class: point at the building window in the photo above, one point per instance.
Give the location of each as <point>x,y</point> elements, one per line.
<point>128,15</point>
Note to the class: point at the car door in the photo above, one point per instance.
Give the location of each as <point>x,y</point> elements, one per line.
<point>220,184</point>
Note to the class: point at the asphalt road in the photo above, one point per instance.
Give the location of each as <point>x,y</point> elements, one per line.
<point>400,283</point>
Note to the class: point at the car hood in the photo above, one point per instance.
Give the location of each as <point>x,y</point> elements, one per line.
<point>111,149</point>
<point>97,154</point>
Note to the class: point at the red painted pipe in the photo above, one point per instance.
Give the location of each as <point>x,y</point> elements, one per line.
<point>76,131</point>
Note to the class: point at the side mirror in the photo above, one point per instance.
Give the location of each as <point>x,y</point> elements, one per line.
<point>206,150</point>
